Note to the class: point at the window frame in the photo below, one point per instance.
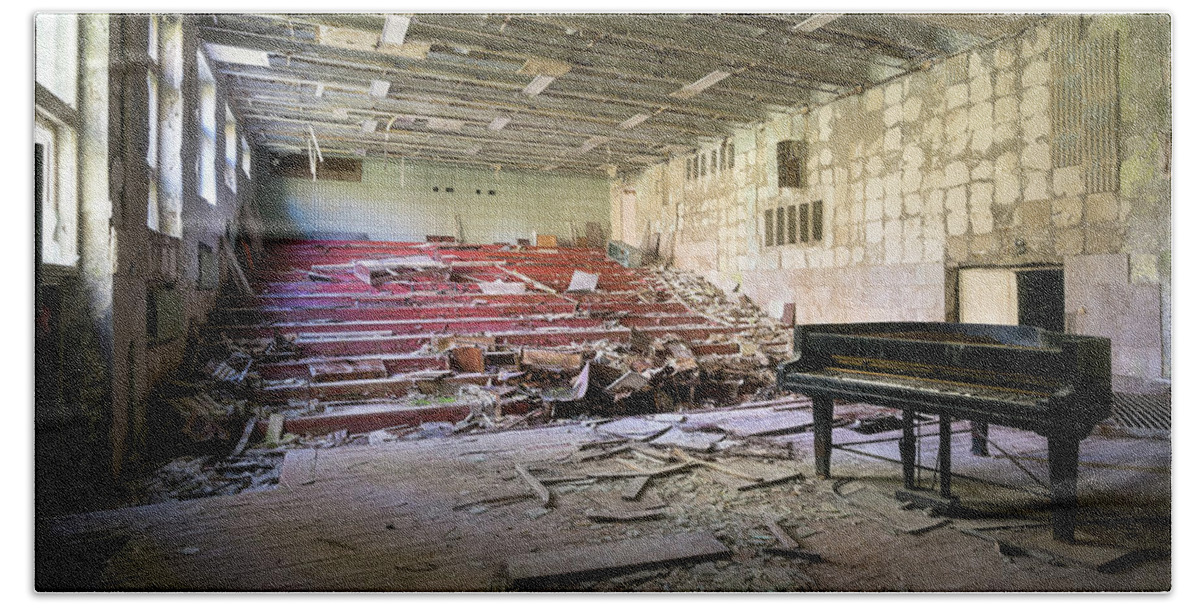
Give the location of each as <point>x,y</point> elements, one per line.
<point>206,126</point>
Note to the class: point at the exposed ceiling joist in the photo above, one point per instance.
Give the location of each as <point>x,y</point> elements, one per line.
<point>578,93</point>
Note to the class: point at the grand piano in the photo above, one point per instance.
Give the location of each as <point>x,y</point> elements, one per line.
<point>1056,385</point>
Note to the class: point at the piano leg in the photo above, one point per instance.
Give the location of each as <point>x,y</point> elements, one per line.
<point>944,454</point>
<point>1064,470</point>
<point>908,451</point>
<point>822,433</point>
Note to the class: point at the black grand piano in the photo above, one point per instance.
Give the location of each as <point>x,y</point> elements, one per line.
<point>1056,385</point>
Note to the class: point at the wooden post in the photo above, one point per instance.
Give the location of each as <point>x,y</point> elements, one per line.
<point>822,433</point>
<point>908,451</point>
<point>944,454</point>
<point>1064,472</point>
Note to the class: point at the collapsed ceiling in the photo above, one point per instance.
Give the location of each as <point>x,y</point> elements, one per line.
<point>573,93</point>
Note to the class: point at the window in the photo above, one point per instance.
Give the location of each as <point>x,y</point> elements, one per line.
<point>794,223</point>
<point>56,126</point>
<point>703,165</point>
<point>729,155</point>
<point>791,157</point>
<point>230,149</point>
<point>818,220</point>
<point>713,158</point>
<point>245,158</point>
<point>165,80</point>
<point>57,49</point>
<point>206,179</point>
<point>152,210</point>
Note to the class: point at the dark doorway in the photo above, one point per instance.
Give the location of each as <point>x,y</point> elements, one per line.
<point>1040,300</point>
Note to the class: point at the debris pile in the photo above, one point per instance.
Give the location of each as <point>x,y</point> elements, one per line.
<point>189,477</point>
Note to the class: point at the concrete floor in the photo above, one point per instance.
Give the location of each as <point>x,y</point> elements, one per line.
<point>448,514</point>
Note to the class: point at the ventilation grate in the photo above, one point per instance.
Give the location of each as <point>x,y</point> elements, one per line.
<point>1142,411</point>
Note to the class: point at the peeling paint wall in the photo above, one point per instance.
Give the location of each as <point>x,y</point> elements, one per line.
<point>942,169</point>
<point>396,201</point>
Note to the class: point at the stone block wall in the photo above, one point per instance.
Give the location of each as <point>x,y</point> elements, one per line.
<point>943,168</point>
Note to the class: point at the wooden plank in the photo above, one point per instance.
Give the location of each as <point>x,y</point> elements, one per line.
<point>691,440</point>
<point>771,481</point>
<point>542,491</point>
<point>774,423</point>
<point>785,540</point>
<point>616,516</point>
<point>634,488</point>
<point>537,569</point>
<point>245,439</point>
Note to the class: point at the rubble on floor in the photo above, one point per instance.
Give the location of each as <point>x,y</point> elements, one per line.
<point>188,477</point>
<point>343,339</point>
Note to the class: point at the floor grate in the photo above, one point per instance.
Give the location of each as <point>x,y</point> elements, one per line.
<point>1142,411</point>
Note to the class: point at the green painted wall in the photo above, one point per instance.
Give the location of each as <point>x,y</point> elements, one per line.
<point>396,201</point>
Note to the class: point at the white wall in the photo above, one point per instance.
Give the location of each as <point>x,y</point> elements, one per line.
<point>397,202</point>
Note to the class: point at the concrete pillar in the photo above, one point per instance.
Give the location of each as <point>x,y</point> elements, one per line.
<point>96,233</point>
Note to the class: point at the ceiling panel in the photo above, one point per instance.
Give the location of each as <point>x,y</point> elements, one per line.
<point>531,91</point>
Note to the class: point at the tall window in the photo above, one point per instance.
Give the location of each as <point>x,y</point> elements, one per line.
<point>169,187</point>
<point>245,157</point>
<point>57,44</point>
<point>152,71</point>
<point>206,160</point>
<point>56,125</point>
<point>230,149</point>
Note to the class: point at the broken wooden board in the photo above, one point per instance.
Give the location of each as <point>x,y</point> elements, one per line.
<point>629,382</point>
<point>499,287</point>
<point>552,360</point>
<point>635,486</point>
<point>467,359</point>
<point>541,570</point>
<point>772,480</point>
<point>688,440</point>
<point>542,491</point>
<point>766,423</point>
<point>634,428</point>
<point>583,281</point>
<point>619,516</point>
<point>890,513</point>
<point>274,428</point>
<point>349,369</point>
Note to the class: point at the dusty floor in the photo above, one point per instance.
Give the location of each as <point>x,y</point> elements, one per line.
<point>453,514</point>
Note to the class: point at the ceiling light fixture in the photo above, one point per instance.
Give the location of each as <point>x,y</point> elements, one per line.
<point>633,121</point>
<point>370,125</point>
<point>693,89</point>
<point>592,143</point>
<point>379,88</point>
<point>320,89</point>
<point>498,123</point>
<point>395,28</point>
<point>537,85</point>
<point>236,54</point>
<point>815,22</point>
